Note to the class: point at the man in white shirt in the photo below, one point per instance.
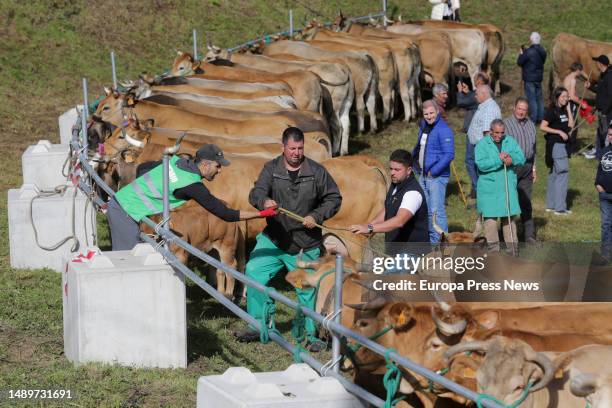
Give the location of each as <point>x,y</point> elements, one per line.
<point>404,220</point>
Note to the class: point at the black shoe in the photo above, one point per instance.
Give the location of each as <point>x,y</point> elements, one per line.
<point>246,335</point>
<point>316,346</point>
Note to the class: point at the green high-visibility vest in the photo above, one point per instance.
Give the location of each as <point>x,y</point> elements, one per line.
<point>143,196</point>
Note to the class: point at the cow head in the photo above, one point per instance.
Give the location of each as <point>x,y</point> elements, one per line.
<point>215,53</point>
<point>184,64</point>
<point>595,388</point>
<point>462,237</point>
<point>115,108</point>
<point>507,368</point>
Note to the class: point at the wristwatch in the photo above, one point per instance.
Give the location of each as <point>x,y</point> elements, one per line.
<point>370,228</point>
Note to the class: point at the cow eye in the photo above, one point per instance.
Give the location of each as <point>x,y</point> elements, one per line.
<point>362,323</point>
<point>105,108</point>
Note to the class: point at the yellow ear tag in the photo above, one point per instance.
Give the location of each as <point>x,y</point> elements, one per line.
<point>468,372</point>
<point>298,283</point>
<point>559,374</point>
<point>129,159</point>
<point>402,319</point>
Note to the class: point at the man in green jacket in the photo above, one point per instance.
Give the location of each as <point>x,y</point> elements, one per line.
<point>497,197</point>
<point>143,196</point>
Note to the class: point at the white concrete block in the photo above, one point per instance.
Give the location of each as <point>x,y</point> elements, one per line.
<point>53,218</point>
<point>42,164</point>
<point>127,313</point>
<point>298,386</point>
<point>66,122</point>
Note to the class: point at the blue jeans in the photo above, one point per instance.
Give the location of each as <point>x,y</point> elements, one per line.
<point>435,194</point>
<point>470,163</point>
<point>533,93</point>
<point>605,208</point>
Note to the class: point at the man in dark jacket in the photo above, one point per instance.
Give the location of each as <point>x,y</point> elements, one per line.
<point>433,153</point>
<point>532,60</point>
<point>302,186</point>
<point>603,184</point>
<point>603,102</point>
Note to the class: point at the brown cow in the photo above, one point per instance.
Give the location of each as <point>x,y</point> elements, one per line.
<point>382,56</point>
<point>363,71</point>
<point>116,108</point>
<point>305,86</point>
<point>495,44</point>
<point>569,48</point>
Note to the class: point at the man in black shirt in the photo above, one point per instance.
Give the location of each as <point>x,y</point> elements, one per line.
<point>603,101</point>
<point>302,186</point>
<point>603,183</point>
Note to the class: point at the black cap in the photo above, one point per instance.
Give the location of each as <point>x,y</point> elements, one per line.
<point>213,153</point>
<point>602,59</point>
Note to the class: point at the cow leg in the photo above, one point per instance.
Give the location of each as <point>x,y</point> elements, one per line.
<point>360,108</point>
<point>371,104</point>
<point>227,255</point>
<point>345,120</point>
<point>405,95</point>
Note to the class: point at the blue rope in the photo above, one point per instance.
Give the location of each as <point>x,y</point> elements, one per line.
<point>391,380</point>
<point>267,324</point>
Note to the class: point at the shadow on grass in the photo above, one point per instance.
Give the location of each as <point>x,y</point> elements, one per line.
<point>572,195</point>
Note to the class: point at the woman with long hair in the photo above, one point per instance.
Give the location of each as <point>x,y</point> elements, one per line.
<point>557,123</point>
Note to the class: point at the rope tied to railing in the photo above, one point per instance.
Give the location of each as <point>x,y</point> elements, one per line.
<point>298,325</point>
<point>391,380</point>
<point>515,404</point>
<point>267,323</point>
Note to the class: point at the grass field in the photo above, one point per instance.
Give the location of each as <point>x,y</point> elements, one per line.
<point>46,47</point>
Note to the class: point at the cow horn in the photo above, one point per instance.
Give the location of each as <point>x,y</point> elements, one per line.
<point>584,384</point>
<point>377,303</point>
<point>436,227</point>
<point>300,263</point>
<point>547,366</point>
<point>448,329</point>
<point>134,142</point>
<point>464,347</point>
<point>399,18</point>
<point>387,20</point>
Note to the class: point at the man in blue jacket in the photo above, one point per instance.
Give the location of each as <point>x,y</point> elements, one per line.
<point>532,60</point>
<point>433,153</point>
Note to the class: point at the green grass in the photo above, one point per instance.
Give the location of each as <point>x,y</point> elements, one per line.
<point>46,47</point>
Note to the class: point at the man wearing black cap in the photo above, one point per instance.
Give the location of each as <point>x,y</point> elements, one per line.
<point>603,101</point>
<point>143,196</point>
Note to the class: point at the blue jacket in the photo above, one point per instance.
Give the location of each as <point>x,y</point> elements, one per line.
<point>439,150</point>
<point>532,61</point>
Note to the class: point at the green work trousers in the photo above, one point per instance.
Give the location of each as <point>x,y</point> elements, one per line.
<point>265,262</point>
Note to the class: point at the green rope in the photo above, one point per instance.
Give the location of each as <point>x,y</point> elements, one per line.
<point>298,325</point>
<point>515,404</point>
<point>391,380</point>
<point>297,350</point>
<point>267,324</point>
<point>355,347</point>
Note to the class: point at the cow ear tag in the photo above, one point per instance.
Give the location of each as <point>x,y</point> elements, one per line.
<point>402,319</point>
<point>129,158</point>
<point>298,283</point>
<point>559,374</point>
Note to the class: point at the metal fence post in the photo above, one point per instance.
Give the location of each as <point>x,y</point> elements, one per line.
<point>84,116</point>
<point>384,11</point>
<point>291,23</point>
<point>337,311</point>
<point>195,45</point>
<point>114,68</point>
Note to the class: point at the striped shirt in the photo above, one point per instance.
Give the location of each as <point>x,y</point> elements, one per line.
<point>481,122</point>
<point>524,132</point>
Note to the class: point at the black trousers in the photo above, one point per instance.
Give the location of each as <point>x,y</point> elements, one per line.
<point>524,175</point>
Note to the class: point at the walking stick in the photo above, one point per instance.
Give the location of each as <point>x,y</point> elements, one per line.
<point>458,183</point>
<point>508,208</point>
